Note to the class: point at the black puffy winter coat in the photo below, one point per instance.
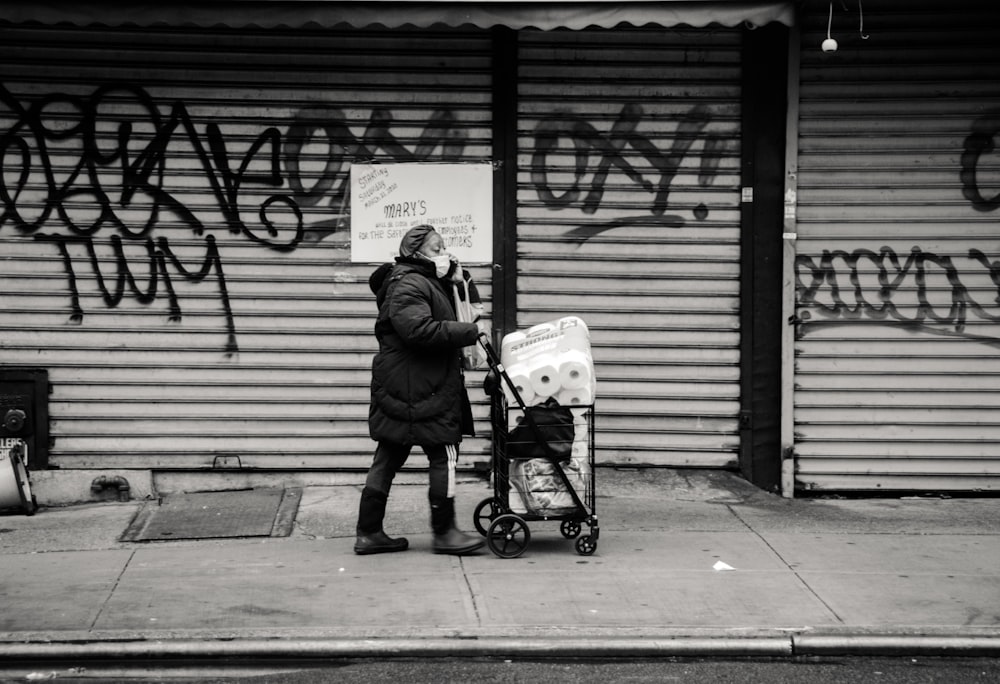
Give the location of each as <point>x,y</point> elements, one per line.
<point>418,387</point>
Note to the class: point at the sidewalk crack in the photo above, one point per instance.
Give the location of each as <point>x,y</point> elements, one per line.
<point>795,572</point>
<point>472,594</point>
<point>118,579</point>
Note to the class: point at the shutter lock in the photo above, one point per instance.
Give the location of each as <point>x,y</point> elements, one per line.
<point>14,421</point>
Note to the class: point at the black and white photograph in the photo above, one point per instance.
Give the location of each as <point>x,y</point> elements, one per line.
<point>515,341</point>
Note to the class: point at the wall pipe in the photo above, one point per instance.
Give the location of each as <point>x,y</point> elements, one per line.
<point>107,481</point>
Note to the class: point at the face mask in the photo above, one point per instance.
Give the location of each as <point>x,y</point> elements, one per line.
<point>442,264</point>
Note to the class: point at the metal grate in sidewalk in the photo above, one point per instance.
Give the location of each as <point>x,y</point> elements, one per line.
<point>211,515</point>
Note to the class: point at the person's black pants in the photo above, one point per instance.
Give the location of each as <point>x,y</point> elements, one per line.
<point>389,460</point>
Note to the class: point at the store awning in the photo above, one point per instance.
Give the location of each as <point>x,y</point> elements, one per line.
<point>550,14</point>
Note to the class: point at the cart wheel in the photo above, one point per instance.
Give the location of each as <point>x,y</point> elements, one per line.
<point>508,536</point>
<point>570,529</point>
<point>486,512</point>
<point>586,545</point>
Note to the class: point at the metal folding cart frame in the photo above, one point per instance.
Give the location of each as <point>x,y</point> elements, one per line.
<point>544,440</point>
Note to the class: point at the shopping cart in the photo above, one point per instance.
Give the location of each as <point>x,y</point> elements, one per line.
<point>542,469</point>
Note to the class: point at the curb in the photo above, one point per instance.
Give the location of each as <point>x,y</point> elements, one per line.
<point>458,647</point>
<point>475,647</point>
<point>896,645</point>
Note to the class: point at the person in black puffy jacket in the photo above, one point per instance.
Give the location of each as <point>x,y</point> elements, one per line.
<point>418,395</point>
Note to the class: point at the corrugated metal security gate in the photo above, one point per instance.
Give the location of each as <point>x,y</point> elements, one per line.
<point>629,216</point>
<point>174,235</point>
<point>896,361</point>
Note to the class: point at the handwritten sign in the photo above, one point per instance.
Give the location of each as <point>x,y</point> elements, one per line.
<point>389,199</point>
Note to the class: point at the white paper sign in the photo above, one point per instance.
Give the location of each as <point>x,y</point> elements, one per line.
<point>389,199</point>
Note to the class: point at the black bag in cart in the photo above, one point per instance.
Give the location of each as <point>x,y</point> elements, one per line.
<point>546,431</point>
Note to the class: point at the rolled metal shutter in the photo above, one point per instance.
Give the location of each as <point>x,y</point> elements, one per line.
<point>896,360</point>
<point>175,230</point>
<point>628,216</point>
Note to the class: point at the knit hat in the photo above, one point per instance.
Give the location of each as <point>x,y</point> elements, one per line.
<point>414,239</point>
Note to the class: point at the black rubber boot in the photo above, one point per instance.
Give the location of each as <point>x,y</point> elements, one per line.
<point>379,542</point>
<point>371,537</point>
<point>448,538</point>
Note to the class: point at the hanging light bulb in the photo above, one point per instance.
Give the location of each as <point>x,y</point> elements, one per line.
<point>861,22</point>
<point>829,45</point>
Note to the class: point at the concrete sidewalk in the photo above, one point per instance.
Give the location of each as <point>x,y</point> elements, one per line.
<point>809,576</point>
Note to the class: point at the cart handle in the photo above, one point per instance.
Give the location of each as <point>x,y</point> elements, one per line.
<point>497,366</point>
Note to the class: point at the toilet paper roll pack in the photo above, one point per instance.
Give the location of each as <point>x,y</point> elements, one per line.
<point>551,359</point>
<point>553,337</point>
<point>547,375</point>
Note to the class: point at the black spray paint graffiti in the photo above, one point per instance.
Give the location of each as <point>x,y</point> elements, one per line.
<point>835,289</point>
<point>143,172</point>
<point>979,143</point>
<point>587,141</point>
<point>138,165</point>
<point>158,257</point>
<point>838,295</point>
<point>112,173</point>
<point>441,131</point>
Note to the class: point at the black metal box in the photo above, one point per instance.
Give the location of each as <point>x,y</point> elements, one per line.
<point>24,412</point>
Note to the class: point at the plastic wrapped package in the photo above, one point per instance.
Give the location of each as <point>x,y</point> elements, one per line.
<point>538,489</point>
<point>541,489</point>
<point>551,359</point>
